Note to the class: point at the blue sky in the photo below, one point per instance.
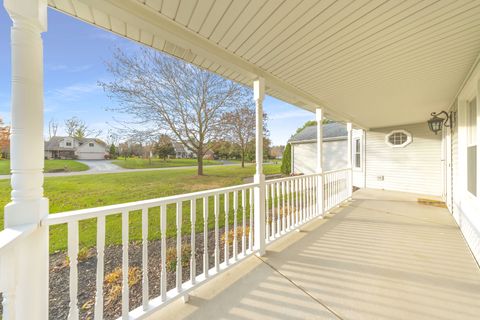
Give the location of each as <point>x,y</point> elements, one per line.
<point>74,53</point>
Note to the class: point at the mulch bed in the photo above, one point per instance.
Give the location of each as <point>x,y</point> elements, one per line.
<point>59,275</point>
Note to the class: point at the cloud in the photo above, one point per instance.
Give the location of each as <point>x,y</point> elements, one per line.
<point>289,115</point>
<point>72,92</point>
<point>72,69</point>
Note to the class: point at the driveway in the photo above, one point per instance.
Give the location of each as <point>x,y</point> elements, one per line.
<point>101,166</point>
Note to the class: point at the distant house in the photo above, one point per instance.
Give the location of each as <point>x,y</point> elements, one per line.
<point>276,152</point>
<point>209,155</point>
<point>180,151</point>
<point>75,148</point>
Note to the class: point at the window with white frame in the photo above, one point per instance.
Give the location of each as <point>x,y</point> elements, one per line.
<point>69,144</point>
<point>398,138</point>
<point>358,153</point>
<point>472,147</point>
<point>91,144</point>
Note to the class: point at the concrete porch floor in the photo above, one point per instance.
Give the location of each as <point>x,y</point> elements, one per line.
<point>382,256</point>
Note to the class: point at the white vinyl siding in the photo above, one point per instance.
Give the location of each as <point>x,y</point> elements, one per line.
<point>414,168</point>
<point>304,156</point>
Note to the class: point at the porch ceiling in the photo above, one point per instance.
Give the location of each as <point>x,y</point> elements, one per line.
<point>376,63</point>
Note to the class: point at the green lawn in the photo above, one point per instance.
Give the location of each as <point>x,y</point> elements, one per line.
<point>137,163</point>
<point>50,166</point>
<point>86,191</point>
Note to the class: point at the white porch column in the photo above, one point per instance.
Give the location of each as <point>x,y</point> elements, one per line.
<point>349,160</point>
<point>28,206</point>
<point>319,167</point>
<point>259,178</point>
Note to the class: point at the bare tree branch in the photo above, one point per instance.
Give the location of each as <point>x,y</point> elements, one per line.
<point>164,93</point>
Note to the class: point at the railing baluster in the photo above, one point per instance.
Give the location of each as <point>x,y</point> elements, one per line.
<point>73,258</point>
<point>193,220</point>
<point>284,211</point>
<point>267,212</point>
<point>163,272</point>
<point>313,191</point>
<point>217,245</point>
<point>274,222</point>
<point>100,267</point>
<point>297,205</point>
<point>244,222</point>
<point>329,193</point>
<point>337,183</point>
<point>309,199</point>
<point>279,217</point>
<point>289,209</point>
<point>179,247</point>
<point>235,225</point>
<point>145,295</point>
<point>125,288</point>
<point>226,203</point>
<point>250,224</point>
<point>302,200</point>
<point>205,237</point>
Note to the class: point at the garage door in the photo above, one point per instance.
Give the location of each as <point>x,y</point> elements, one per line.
<point>91,156</point>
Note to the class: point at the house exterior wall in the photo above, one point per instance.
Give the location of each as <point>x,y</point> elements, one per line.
<point>84,151</point>
<point>72,141</point>
<point>416,168</point>
<point>466,206</point>
<point>304,155</point>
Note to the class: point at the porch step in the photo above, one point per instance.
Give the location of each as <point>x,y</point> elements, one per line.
<point>432,202</point>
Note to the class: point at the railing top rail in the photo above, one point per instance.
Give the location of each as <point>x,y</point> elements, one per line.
<point>83,214</point>
<point>9,236</point>
<point>292,178</point>
<point>336,170</point>
<point>305,176</point>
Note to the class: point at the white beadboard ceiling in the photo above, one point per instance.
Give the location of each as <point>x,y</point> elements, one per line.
<point>374,62</point>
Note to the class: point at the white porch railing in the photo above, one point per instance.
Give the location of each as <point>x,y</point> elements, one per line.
<point>290,202</point>
<point>337,187</point>
<point>10,242</point>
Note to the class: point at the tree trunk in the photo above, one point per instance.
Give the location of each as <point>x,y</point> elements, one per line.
<point>200,161</point>
<point>243,159</point>
<point>200,164</point>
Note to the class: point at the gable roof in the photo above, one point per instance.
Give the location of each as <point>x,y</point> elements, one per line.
<point>178,146</point>
<point>331,131</point>
<point>54,142</point>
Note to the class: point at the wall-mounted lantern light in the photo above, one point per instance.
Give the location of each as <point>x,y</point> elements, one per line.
<point>436,123</point>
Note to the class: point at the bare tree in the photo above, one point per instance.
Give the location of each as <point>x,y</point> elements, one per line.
<point>52,128</point>
<point>240,125</point>
<point>161,92</point>
<point>113,137</point>
<point>77,128</point>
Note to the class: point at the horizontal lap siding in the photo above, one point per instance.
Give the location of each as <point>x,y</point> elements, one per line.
<point>334,156</point>
<point>415,168</point>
